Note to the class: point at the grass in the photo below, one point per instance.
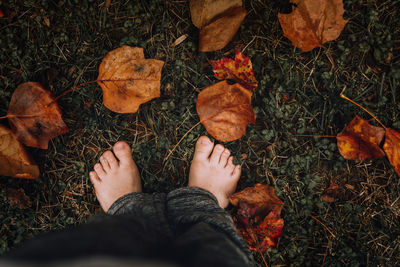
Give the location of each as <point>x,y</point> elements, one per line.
<point>365,58</point>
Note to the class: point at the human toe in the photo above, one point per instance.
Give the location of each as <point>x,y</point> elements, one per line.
<point>230,166</point>
<point>94,177</point>
<point>104,163</point>
<point>98,168</point>
<point>224,157</point>
<point>216,154</point>
<point>110,158</point>
<point>203,149</point>
<point>236,172</point>
<point>123,152</point>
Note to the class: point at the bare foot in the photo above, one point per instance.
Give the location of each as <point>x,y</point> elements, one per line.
<point>115,176</point>
<point>214,171</point>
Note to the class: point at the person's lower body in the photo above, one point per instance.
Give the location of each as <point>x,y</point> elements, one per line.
<point>188,226</point>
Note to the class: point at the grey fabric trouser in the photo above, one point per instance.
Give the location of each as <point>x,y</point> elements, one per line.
<point>183,228</point>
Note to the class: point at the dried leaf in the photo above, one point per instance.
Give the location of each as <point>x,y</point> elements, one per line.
<point>179,40</point>
<point>239,70</point>
<point>46,21</point>
<point>360,140</point>
<point>392,148</point>
<point>1,13</point>
<point>225,110</point>
<point>313,22</point>
<point>18,199</point>
<point>258,216</point>
<point>204,11</point>
<point>128,79</point>
<point>220,32</point>
<point>34,116</point>
<point>14,160</point>
<point>331,193</point>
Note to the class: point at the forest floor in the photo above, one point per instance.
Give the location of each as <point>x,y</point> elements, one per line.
<point>61,44</point>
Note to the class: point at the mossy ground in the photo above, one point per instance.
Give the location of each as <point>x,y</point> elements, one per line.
<point>61,44</point>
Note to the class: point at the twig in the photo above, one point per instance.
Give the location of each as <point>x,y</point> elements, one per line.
<point>180,140</point>
<point>358,105</point>
<point>326,227</point>
<point>326,251</point>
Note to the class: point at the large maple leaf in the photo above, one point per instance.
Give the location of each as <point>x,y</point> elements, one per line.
<point>258,216</point>
<point>128,79</point>
<point>34,116</point>
<point>359,140</point>
<point>225,110</point>
<point>313,22</point>
<point>239,70</point>
<point>14,160</point>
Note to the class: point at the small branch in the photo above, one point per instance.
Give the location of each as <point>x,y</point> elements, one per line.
<point>317,135</point>
<point>326,227</point>
<point>177,144</point>
<point>358,105</point>
<point>326,251</point>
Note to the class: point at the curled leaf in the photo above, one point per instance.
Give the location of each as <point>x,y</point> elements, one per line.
<point>128,79</point>
<point>258,216</point>
<point>392,148</point>
<point>14,160</point>
<point>18,199</point>
<point>331,193</point>
<point>204,11</point>
<point>359,140</point>
<point>225,110</point>
<point>313,22</point>
<point>239,70</point>
<point>34,116</point>
<point>220,32</point>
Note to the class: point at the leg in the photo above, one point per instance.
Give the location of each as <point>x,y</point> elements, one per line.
<point>204,230</point>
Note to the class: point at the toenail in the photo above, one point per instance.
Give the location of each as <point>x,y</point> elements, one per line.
<point>226,151</point>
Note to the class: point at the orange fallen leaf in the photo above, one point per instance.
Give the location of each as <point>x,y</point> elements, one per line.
<point>258,216</point>
<point>313,22</point>
<point>34,116</point>
<point>128,79</point>
<point>359,140</point>
<point>239,70</point>
<point>225,110</point>
<point>1,13</point>
<point>17,198</point>
<point>204,11</point>
<point>220,32</point>
<point>14,160</point>
<point>392,148</point>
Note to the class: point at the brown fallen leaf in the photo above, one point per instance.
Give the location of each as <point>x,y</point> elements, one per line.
<point>46,21</point>
<point>331,193</point>
<point>258,216</point>
<point>1,13</point>
<point>14,160</point>
<point>239,70</point>
<point>392,148</point>
<point>34,116</point>
<point>220,32</point>
<point>128,79</point>
<point>204,11</point>
<point>17,198</point>
<point>225,110</point>
<point>359,140</point>
<point>313,22</point>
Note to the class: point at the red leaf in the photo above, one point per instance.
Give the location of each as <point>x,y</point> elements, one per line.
<point>359,140</point>
<point>239,70</point>
<point>258,216</point>
<point>392,148</point>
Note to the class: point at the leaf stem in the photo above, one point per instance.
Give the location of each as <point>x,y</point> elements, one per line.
<point>358,105</point>
<point>180,140</point>
<point>72,89</point>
